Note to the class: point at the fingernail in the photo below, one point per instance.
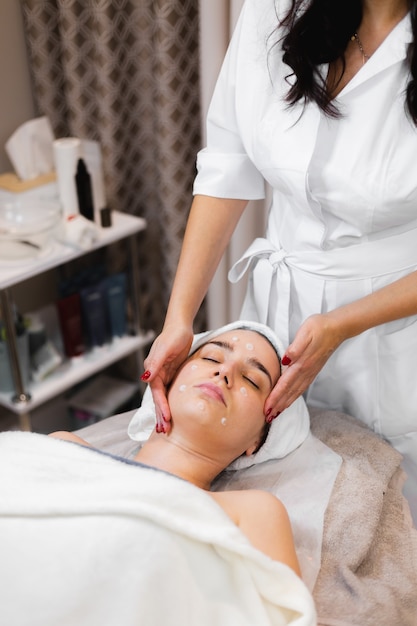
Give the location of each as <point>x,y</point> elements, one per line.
<point>146,375</point>
<point>285,360</point>
<point>268,413</point>
<point>160,428</point>
<point>271,418</point>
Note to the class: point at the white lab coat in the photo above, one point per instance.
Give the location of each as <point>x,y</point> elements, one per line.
<point>343,218</point>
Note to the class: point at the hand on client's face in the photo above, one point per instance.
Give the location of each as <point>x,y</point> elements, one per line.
<point>167,353</point>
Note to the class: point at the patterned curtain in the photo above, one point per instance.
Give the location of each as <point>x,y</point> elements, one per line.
<point>126,74</point>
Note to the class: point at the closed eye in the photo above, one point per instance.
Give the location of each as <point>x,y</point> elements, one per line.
<point>252,382</point>
<point>207,358</point>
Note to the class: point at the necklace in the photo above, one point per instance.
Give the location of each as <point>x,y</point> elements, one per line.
<point>365,57</point>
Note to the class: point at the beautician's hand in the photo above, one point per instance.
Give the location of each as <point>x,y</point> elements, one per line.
<point>316,340</point>
<point>167,353</point>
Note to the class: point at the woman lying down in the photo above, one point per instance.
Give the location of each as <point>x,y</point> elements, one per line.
<point>89,538</point>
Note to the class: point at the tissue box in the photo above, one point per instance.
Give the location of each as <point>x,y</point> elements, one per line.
<point>13,188</point>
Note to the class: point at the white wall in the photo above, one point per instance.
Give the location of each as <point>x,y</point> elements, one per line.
<point>16,101</point>
<point>217,21</point>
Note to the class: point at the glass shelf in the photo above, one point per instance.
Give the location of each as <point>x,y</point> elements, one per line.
<point>14,272</point>
<point>76,370</point>
<point>73,371</point>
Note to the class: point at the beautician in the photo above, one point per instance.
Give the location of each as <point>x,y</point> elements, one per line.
<point>319,101</point>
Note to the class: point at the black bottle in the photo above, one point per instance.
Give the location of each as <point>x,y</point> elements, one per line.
<point>84,191</point>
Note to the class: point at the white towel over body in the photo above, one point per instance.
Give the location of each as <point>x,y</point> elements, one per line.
<point>87,539</point>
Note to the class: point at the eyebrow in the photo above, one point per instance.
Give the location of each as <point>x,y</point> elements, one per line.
<point>252,361</point>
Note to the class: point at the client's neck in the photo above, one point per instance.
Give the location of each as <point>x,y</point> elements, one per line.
<point>176,457</point>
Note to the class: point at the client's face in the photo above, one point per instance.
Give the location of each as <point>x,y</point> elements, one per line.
<point>219,393</point>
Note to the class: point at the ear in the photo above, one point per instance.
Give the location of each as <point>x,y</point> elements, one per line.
<point>253,448</point>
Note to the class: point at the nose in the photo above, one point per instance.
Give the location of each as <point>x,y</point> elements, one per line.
<point>225,373</point>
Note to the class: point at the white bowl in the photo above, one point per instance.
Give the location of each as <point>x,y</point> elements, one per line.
<point>27,228</point>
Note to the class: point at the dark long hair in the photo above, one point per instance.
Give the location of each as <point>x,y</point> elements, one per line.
<point>318,31</point>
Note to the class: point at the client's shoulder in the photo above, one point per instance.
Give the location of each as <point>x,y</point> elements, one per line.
<point>246,505</point>
<point>263,518</point>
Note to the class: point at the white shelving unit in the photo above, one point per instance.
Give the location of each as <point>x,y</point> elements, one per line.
<point>75,370</point>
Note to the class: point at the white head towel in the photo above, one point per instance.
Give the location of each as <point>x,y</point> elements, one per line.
<point>287,431</point>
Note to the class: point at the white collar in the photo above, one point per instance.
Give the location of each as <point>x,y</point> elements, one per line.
<point>392,50</point>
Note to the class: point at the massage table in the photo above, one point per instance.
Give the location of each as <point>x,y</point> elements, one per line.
<point>75,527</point>
<point>367,574</point>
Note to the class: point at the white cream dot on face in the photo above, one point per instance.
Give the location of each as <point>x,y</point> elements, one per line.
<point>200,406</point>
<point>249,346</point>
<point>223,421</point>
<point>235,338</point>
<point>183,387</point>
<point>243,391</point>
<point>194,367</point>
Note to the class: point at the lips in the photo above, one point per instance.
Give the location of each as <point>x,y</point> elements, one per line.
<point>213,391</point>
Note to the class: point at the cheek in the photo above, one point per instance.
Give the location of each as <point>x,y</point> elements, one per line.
<point>249,405</point>
<point>184,378</point>
<point>185,402</point>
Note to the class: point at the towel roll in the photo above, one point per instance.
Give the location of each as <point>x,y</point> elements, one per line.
<point>79,232</point>
<point>67,151</point>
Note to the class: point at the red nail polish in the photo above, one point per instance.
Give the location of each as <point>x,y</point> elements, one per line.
<point>271,418</point>
<point>285,360</point>
<point>268,413</point>
<point>146,375</point>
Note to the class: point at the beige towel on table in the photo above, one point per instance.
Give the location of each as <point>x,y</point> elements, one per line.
<point>369,553</point>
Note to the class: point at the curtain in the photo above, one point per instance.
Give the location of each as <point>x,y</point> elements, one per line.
<point>217,20</point>
<point>126,74</point>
